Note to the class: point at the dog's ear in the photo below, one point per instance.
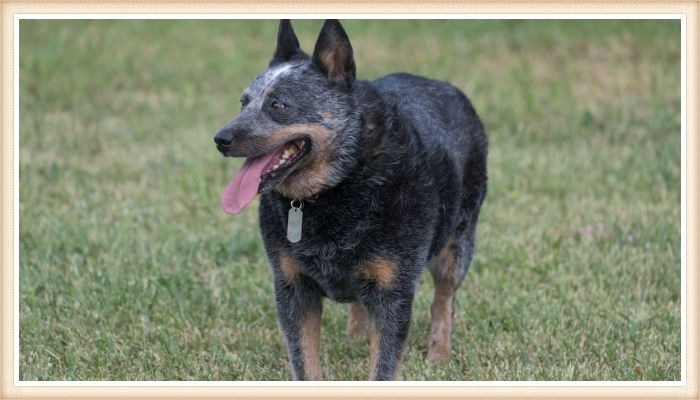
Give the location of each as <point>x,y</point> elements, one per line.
<point>333,53</point>
<point>287,44</point>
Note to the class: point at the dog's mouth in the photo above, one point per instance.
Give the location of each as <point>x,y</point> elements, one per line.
<point>260,174</point>
<point>284,160</point>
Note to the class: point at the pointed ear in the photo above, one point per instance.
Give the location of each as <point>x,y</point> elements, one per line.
<point>333,53</point>
<point>287,44</point>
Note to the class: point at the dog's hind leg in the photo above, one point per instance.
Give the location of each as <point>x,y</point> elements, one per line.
<point>357,320</point>
<point>448,269</point>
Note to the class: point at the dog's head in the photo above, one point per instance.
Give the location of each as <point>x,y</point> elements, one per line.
<point>298,121</point>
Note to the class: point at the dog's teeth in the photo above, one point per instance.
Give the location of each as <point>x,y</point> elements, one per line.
<point>289,151</point>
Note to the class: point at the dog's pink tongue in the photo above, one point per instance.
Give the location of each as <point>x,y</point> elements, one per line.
<point>244,185</point>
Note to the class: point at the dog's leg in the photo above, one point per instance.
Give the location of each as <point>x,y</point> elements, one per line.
<point>448,270</point>
<point>299,308</point>
<point>357,320</point>
<point>389,319</point>
<point>441,319</point>
<point>300,319</point>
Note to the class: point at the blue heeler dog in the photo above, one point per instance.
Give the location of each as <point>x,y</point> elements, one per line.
<point>363,185</point>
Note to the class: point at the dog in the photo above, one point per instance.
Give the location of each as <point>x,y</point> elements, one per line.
<point>363,184</point>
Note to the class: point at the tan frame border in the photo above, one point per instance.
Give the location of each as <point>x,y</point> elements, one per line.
<point>9,8</point>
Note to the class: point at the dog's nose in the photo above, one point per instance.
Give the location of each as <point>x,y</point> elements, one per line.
<point>236,130</point>
<point>223,138</point>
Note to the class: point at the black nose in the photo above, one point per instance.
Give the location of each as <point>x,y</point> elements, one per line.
<point>223,138</point>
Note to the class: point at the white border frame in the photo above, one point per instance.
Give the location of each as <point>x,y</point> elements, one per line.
<point>546,16</point>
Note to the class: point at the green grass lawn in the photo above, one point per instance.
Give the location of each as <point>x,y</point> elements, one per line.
<point>129,269</point>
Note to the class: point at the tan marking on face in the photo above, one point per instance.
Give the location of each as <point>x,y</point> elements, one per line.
<point>290,268</point>
<point>357,320</point>
<point>317,133</point>
<point>381,271</point>
<point>270,90</point>
<point>312,175</point>
<point>310,178</point>
<point>311,345</point>
<point>373,350</point>
<point>325,115</point>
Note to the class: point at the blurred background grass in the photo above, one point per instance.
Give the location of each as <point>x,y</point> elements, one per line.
<point>129,270</point>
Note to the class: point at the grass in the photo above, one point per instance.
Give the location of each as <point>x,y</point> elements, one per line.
<point>129,270</point>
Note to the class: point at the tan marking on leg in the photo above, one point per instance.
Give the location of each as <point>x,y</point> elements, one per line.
<point>440,341</point>
<point>357,320</point>
<point>381,271</point>
<point>397,371</point>
<point>289,266</point>
<point>374,354</point>
<point>311,346</point>
<point>444,270</point>
<point>447,264</point>
<point>373,350</point>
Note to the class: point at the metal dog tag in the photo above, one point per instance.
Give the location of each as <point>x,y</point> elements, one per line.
<point>294,222</point>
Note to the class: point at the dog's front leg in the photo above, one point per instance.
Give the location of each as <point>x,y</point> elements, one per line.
<point>389,321</point>
<point>299,309</point>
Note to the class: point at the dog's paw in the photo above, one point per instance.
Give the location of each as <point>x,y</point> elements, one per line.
<point>438,351</point>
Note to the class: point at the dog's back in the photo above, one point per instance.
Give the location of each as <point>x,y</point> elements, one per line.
<point>452,137</point>
<point>440,113</point>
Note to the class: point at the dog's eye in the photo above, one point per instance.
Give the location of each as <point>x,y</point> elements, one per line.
<point>244,101</point>
<point>277,105</point>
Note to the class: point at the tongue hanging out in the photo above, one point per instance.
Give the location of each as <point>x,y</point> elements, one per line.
<point>246,183</point>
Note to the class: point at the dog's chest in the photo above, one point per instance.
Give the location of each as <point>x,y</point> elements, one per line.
<point>333,243</point>
<point>334,269</point>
